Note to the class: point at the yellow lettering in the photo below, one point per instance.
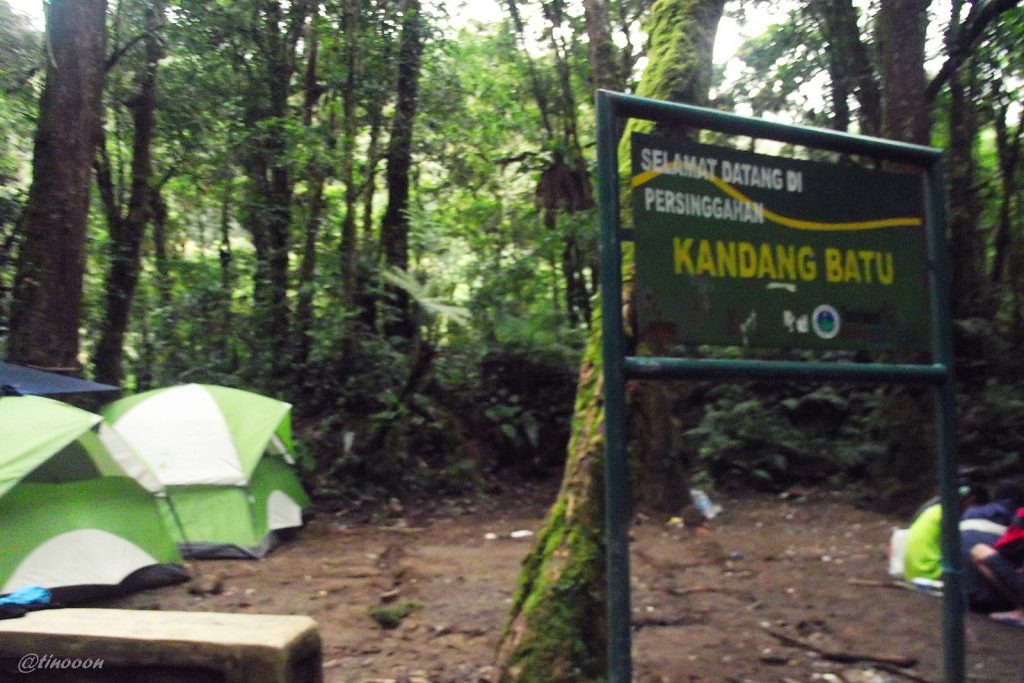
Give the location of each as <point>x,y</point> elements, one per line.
<point>765,263</point>
<point>866,257</point>
<point>808,266</point>
<point>886,271</point>
<point>852,267</point>
<point>682,254</point>
<point>705,262</point>
<point>833,265</point>
<point>785,261</point>
<point>748,260</point>
<point>726,252</point>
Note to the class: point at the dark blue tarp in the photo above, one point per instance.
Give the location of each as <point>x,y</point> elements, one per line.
<point>28,381</point>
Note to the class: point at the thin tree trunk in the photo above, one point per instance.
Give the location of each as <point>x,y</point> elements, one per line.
<point>964,203</point>
<point>226,256</point>
<point>394,230</point>
<point>46,304</point>
<point>268,203</point>
<point>538,90</point>
<point>601,49</point>
<point>316,179</point>
<point>349,126</point>
<point>1008,149</point>
<point>158,210</point>
<point>849,64</point>
<point>552,10</point>
<point>577,297</point>
<point>8,240</point>
<point>127,233</point>
<point>365,301</point>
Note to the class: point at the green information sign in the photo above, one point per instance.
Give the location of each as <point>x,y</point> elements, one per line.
<point>742,249</point>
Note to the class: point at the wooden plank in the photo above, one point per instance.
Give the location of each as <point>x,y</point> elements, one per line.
<point>232,648</point>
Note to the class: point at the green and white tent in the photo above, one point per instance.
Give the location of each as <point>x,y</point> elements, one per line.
<point>72,519</point>
<point>224,457</point>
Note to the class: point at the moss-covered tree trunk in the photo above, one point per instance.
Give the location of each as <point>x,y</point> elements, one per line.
<point>556,631</point>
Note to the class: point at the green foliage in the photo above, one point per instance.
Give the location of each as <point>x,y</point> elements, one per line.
<point>488,380</point>
<point>992,429</point>
<point>780,65</point>
<point>768,440</point>
<point>527,401</point>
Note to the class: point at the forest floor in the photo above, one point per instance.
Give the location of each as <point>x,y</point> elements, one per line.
<point>772,590</point>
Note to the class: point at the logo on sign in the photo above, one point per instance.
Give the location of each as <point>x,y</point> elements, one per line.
<point>825,321</point>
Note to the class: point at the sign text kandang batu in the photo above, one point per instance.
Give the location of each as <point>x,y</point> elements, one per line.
<point>743,259</point>
<point>737,248</point>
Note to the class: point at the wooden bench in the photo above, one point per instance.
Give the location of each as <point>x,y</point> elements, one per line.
<point>152,646</point>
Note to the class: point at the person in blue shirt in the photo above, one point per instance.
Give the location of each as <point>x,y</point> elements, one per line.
<point>991,581</point>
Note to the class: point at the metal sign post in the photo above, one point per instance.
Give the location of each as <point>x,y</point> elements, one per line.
<point>838,260</point>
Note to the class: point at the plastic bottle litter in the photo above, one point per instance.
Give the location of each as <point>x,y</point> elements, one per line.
<point>703,503</point>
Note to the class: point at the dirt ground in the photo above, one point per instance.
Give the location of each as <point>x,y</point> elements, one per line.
<point>773,590</point>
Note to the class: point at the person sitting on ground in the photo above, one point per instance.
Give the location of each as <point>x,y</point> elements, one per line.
<point>991,580</point>
<point>1001,565</point>
<point>922,558</point>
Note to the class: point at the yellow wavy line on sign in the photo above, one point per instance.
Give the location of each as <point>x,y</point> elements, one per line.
<point>795,223</point>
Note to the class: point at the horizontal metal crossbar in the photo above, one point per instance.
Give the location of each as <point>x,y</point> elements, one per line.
<point>673,113</point>
<point>706,368</point>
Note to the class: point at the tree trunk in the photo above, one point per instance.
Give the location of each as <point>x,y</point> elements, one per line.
<point>8,240</point>
<point>556,631</point>
<point>900,37</point>
<point>349,236</point>
<point>394,229</point>
<point>1008,147</point>
<point>557,625</point>
<point>127,233</point>
<point>905,412</point>
<point>226,341</point>
<point>315,204</point>
<point>47,294</point>
<point>268,200</point>
<point>158,211</point>
<point>968,283</point>
<point>849,64</point>
<point>365,300</point>
<point>539,94</point>
<point>603,63</point>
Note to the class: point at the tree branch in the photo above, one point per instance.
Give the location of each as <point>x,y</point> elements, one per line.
<point>105,184</point>
<point>116,57</point>
<point>843,656</point>
<point>978,19</point>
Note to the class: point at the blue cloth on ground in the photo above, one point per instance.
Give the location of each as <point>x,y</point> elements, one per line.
<point>29,595</point>
<point>23,600</point>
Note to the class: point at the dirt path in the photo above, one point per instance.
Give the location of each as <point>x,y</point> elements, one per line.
<point>771,591</point>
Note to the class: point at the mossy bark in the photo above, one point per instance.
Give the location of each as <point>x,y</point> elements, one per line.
<point>556,628</point>
<point>556,631</point>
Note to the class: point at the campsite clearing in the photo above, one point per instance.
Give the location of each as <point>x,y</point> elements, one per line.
<point>773,591</point>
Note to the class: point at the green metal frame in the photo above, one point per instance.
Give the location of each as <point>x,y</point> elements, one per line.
<point>618,368</point>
